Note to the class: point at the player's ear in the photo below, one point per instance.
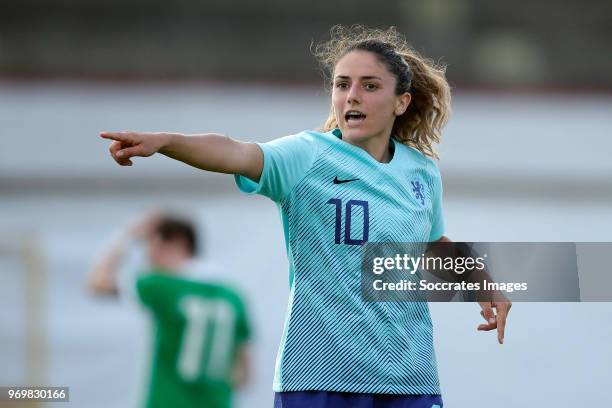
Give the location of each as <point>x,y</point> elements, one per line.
<point>402,102</point>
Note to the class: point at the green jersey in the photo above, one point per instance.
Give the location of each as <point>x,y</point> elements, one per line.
<point>198,328</point>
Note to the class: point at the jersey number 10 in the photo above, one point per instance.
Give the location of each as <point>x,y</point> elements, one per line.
<point>348,220</point>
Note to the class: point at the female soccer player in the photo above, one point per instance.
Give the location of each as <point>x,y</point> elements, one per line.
<point>367,176</point>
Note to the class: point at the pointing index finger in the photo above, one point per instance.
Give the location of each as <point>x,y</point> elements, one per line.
<point>119,136</point>
<point>502,313</point>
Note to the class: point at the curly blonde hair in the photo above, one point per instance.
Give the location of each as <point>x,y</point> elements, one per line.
<point>429,110</point>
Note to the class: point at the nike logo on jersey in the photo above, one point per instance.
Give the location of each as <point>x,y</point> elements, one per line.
<point>336,181</point>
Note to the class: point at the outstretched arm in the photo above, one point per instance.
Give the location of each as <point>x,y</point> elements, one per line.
<point>211,152</point>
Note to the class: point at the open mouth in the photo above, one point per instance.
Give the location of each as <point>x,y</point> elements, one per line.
<point>354,118</point>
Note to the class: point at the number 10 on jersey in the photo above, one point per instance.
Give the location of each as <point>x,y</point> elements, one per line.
<point>348,211</point>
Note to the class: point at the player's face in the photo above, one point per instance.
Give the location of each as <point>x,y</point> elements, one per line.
<point>363,85</point>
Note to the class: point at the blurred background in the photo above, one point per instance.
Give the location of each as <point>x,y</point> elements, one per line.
<point>525,157</point>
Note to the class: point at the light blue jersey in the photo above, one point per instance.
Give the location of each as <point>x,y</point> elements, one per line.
<point>333,197</point>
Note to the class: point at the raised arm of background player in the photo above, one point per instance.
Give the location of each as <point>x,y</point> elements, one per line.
<point>102,279</point>
<point>221,154</point>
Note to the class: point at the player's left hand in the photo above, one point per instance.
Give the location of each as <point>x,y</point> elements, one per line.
<point>495,321</point>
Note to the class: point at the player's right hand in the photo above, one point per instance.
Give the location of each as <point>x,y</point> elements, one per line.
<point>126,145</point>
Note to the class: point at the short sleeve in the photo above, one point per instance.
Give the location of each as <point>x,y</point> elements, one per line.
<point>437,224</point>
<point>286,161</point>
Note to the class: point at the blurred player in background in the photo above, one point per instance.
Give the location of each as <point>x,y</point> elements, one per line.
<point>200,328</point>
<point>368,175</point>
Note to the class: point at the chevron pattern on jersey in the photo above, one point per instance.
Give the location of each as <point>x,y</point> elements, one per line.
<point>334,341</point>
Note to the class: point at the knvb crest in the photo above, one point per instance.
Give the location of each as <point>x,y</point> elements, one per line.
<point>418,190</point>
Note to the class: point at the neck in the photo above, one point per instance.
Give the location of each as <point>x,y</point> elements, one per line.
<point>174,265</point>
<point>377,147</point>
